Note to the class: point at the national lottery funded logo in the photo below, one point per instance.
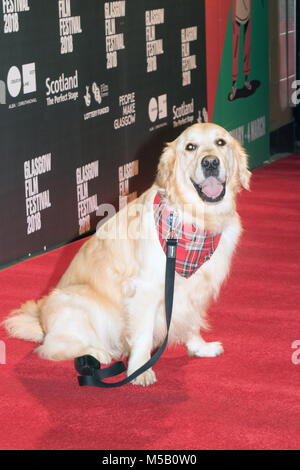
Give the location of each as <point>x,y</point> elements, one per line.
<point>62,89</point>
<point>93,97</point>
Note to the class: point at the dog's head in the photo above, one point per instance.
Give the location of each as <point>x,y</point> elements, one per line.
<point>204,163</point>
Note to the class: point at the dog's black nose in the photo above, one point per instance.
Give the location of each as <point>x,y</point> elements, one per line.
<point>210,165</point>
<point>210,161</point>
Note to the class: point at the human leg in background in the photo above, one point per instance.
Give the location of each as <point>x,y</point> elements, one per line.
<point>247,53</point>
<point>235,51</point>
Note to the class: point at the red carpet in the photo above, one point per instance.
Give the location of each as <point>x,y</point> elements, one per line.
<point>248,398</point>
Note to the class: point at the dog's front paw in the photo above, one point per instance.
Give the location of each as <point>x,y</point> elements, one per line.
<point>212,349</point>
<point>147,378</point>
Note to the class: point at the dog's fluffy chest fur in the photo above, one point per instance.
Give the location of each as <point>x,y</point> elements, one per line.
<point>191,295</point>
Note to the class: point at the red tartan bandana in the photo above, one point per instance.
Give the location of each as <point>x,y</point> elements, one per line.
<point>194,245</point>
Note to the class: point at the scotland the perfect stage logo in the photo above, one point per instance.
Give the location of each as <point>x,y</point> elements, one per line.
<point>62,89</point>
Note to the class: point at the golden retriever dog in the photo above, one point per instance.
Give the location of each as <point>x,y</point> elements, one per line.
<point>110,301</point>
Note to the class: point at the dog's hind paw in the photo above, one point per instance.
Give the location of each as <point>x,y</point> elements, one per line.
<point>212,349</point>
<point>102,356</point>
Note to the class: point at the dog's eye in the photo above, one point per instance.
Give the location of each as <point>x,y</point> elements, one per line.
<point>190,147</point>
<point>220,142</point>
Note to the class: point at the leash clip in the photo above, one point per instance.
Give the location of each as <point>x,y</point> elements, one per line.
<point>174,225</point>
<point>171,247</point>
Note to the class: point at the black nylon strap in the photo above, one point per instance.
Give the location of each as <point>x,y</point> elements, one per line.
<point>90,369</point>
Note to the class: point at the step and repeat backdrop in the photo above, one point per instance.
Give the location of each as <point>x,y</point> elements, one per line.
<point>89,93</point>
<point>91,90</point>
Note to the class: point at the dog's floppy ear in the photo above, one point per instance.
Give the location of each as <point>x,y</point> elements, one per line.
<point>241,157</point>
<point>166,164</point>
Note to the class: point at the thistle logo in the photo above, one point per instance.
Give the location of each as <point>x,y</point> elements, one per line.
<point>157,108</point>
<point>18,78</point>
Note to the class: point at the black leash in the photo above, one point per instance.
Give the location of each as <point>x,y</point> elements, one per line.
<point>89,368</point>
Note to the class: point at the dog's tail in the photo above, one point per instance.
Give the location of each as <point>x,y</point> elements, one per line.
<point>24,323</point>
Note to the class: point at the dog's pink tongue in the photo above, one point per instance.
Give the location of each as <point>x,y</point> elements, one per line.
<point>212,187</point>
